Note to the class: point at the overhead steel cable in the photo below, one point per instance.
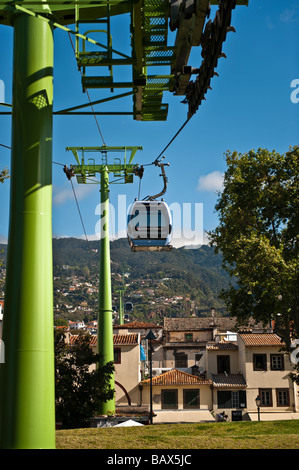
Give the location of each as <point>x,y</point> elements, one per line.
<point>80,213</point>
<point>77,204</point>
<point>5,146</point>
<point>170,142</point>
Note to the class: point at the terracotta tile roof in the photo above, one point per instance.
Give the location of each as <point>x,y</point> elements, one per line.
<point>202,323</point>
<point>131,338</point>
<point>117,339</point>
<point>261,339</point>
<point>187,345</point>
<point>228,380</point>
<point>137,325</point>
<point>176,377</point>
<point>222,345</point>
<point>193,323</point>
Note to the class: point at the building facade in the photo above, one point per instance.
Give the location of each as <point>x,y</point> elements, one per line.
<point>203,367</point>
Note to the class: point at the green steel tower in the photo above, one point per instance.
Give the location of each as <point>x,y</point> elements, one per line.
<point>123,172</point>
<point>105,325</point>
<point>27,397</point>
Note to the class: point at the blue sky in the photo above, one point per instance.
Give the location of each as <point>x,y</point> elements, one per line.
<point>249,107</point>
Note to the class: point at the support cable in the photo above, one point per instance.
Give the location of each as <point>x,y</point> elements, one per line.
<point>5,146</point>
<point>79,213</point>
<point>170,142</point>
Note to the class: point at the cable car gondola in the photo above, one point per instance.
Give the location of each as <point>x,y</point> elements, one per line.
<point>149,222</point>
<point>128,307</point>
<point>149,226</point>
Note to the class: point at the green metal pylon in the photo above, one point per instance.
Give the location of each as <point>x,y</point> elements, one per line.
<point>121,307</point>
<point>124,173</point>
<point>27,387</point>
<point>105,326</point>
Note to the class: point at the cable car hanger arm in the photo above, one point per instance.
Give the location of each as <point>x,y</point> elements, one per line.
<point>165,179</point>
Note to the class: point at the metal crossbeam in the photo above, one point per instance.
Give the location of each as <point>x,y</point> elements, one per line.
<point>150,21</point>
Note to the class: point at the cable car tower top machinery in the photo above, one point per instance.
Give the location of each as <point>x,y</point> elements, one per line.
<point>150,22</point>
<point>150,49</point>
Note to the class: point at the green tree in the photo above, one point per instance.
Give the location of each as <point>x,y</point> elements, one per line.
<point>4,174</point>
<point>86,272</point>
<point>61,322</point>
<point>78,390</point>
<point>258,236</point>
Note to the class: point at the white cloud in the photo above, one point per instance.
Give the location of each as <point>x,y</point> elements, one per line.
<point>211,182</point>
<point>269,23</point>
<point>60,196</point>
<point>290,15</point>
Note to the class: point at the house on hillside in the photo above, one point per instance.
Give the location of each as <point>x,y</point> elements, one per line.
<point>76,325</point>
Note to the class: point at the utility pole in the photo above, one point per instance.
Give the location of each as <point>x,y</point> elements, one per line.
<point>150,337</point>
<point>121,307</point>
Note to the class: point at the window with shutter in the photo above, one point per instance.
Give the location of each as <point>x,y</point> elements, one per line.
<point>191,398</point>
<point>231,399</point>
<point>224,398</point>
<point>259,362</point>
<point>223,364</point>
<point>277,361</point>
<point>181,360</point>
<point>266,396</point>
<point>169,399</point>
<point>282,397</point>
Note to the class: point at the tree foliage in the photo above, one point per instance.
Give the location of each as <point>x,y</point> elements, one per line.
<point>258,236</point>
<point>78,390</point>
<point>4,174</point>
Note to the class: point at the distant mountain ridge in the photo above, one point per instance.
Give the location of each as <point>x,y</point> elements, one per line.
<point>196,274</point>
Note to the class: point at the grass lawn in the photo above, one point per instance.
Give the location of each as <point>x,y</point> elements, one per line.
<point>229,435</point>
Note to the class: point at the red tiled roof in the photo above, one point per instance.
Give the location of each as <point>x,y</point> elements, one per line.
<point>222,345</point>
<point>137,325</point>
<point>228,380</point>
<point>131,338</point>
<point>117,339</point>
<point>176,377</point>
<point>203,323</point>
<point>261,339</point>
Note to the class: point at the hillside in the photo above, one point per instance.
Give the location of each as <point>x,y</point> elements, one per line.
<point>180,282</point>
